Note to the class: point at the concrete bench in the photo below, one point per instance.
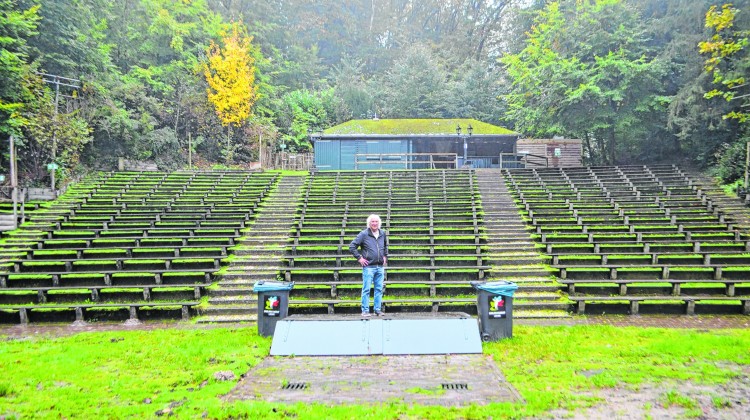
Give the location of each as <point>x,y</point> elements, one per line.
<point>334,285</point>
<point>107,275</point>
<point>420,270</point>
<point>635,301</point>
<point>332,304</point>
<point>729,285</point>
<point>80,309</point>
<point>42,292</point>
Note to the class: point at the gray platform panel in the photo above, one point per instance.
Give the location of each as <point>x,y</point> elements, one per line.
<point>376,336</point>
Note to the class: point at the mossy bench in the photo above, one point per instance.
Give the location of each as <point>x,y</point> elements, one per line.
<point>635,301</point>
<point>675,284</point>
<point>123,263</point>
<point>103,277</point>
<point>17,254</point>
<point>25,313</point>
<point>396,251</point>
<point>394,260</point>
<point>641,237</point>
<point>347,305</point>
<point>95,292</point>
<point>355,285</point>
<point>730,245</point>
<point>657,271</point>
<point>147,233</point>
<point>433,273</point>
<point>133,242</point>
<point>677,257</point>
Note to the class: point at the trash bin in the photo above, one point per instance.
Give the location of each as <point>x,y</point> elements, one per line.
<point>495,309</point>
<point>273,304</point>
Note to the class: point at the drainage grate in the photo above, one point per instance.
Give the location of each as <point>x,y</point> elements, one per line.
<point>296,385</point>
<point>456,386</point>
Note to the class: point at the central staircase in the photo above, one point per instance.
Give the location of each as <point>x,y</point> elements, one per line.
<point>259,256</point>
<point>513,255</point>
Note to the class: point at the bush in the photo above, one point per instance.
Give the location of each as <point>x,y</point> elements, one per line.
<point>731,161</point>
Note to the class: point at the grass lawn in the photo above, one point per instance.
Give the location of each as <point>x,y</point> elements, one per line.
<point>147,374</point>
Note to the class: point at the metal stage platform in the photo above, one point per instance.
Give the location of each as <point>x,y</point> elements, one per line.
<point>394,334</point>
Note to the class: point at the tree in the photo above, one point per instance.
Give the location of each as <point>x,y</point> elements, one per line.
<point>49,134</point>
<point>586,71</point>
<point>16,27</point>
<point>729,58</point>
<point>351,87</point>
<point>72,37</point>
<point>416,86</point>
<point>230,74</point>
<point>304,110</point>
<point>729,64</point>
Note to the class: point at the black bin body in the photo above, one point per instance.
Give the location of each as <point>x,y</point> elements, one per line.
<point>272,306</point>
<point>495,315</point>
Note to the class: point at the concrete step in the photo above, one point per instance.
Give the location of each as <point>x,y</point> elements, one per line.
<point>499,262</point>
<point>499,272</point>
<point>227,319</point>
<point>228,277</point>
<point>228,290</point>
<point>522,278</point>
<point>230,309</point>
<point>247,300</point>
<point>233,284</point>
<point>540,314</point>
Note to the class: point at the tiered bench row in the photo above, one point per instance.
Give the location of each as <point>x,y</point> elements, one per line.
<point>631,238</point>
<point>127,244</point>
<point>435,239</point>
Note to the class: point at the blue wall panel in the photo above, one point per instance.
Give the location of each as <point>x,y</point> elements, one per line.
<point>328,154</point>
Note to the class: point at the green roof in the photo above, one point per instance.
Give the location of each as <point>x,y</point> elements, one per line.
<point>415,126</point>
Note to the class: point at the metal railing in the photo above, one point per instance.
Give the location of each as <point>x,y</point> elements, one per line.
<point>408,160</point>
<point>523,160</point>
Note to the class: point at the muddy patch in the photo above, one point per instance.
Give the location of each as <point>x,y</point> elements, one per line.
<point>670,400</point>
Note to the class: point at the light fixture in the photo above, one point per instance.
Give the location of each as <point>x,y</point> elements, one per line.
<point>458,129</point>
<point>469,129</point>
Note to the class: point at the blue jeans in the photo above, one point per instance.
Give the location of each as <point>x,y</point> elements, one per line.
<point>372,274</point>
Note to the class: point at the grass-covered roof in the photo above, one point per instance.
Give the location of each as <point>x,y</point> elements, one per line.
<point>415,126</point>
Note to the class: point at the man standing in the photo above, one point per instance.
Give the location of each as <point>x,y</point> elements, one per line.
<point>371,251</point>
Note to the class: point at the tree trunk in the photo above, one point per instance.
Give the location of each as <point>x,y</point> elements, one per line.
<point>602,146</point>
<point>587,145</point>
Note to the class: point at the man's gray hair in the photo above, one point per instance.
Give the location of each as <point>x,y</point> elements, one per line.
<point>371,218</point>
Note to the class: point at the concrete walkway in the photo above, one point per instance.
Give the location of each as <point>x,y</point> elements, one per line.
<point>447,380</point>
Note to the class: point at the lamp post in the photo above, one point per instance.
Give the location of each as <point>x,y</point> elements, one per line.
<point>466,146</point>
<point>469,130</point>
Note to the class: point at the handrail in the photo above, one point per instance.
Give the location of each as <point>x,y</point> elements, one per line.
<point>521,160</point>
<point>397,158</point>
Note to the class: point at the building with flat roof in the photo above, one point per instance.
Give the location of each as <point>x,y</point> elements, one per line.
<point>412,144</point>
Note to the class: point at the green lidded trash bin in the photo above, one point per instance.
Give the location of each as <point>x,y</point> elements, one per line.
<point>273,304</point>
<point>495,309</point>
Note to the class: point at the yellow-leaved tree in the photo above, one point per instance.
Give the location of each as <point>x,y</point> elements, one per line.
<point>230,73</point>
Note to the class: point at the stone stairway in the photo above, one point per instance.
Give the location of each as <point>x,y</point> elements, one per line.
<point>734,209</point>
<point>513,254</point>
<point>258,257</point>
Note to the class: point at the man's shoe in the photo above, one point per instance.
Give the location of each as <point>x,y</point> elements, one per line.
<point>366,315</point>
<point>379,313</point>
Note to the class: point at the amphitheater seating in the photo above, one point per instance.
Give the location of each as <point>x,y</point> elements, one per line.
<point>635,239</point>
<point>435,240</point>
<point>126,244</point>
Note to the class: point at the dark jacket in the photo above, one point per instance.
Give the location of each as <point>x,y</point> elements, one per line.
<point>372,249</point>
